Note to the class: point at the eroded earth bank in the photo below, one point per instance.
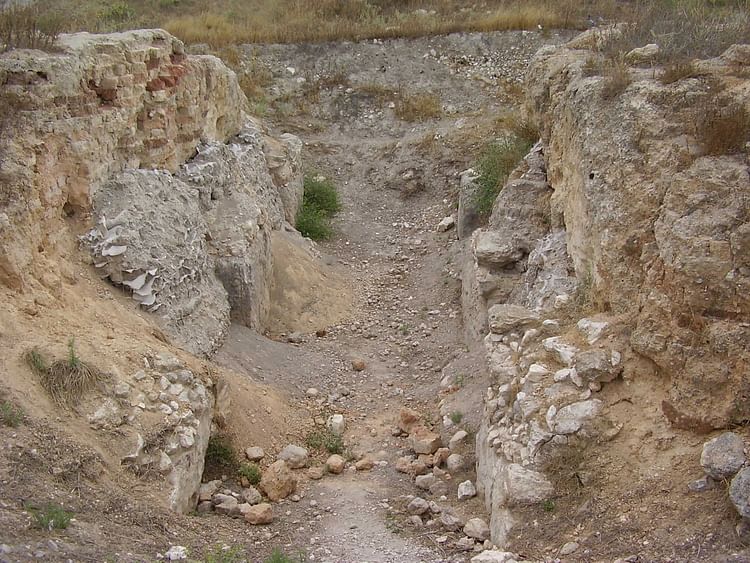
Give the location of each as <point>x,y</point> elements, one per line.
<point>562,378</point>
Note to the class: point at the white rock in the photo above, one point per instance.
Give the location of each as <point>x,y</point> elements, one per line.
<point>592,330</point>
<point>477,528</point>
<point>446,224</point>
<point>457,439</point>
<point>466,490</point>
<point>176,553</point>
<point>336,424</point>
<point>495,556</point>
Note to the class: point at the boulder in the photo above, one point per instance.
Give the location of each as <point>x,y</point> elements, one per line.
<point>424,441</point>
<point>418,506</point>
<point>296,457</point>
<point>335,464</point>
<point>259,514</point>
<point>477,528</point>
<point>336,424</point>
<point>407,419</point>
<point>739,492</point>
<point>598,365</point>
<point>278,482</point>
<point>255,453</point>
<point>525,486</point>
<point>466,490</point>
<point>723,456</point>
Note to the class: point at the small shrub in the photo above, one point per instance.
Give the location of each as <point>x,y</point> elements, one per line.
<point>10,414</point>
<point>29,27</point>
<point>251,472</point>
<point>417,107</point>
<point>723,130</point>
<point>220,451</point>
<point>320,203</point>
<point>117,12</point>
<point>456,417</point>
<point>616,79</point>
<point>324,439</point>
<point>497,162</point>
<point>51,517</point>
<point>548,505</point>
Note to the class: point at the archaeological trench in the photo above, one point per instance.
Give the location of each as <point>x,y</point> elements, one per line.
<point>594,332</point>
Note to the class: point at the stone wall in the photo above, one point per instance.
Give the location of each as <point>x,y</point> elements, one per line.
<point>616,247</point>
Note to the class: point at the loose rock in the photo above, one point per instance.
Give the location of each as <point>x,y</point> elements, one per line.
<point>723,456</point>
<point>278,482</point>
<point>259,514</point>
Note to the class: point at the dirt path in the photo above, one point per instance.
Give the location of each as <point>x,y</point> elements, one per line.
<point>397,180</point>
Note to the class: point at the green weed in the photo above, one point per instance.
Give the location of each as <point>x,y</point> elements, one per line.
<point>456,417</point>
<point>225,554</point>
<point>320,203</point>
<point>220,451</point>
<point>251,472</point>
<point>50,517</point>
<point>324,439</point>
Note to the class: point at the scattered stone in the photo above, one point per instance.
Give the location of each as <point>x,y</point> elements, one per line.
<point>321,332</point>
<point>407,419</point>
<point>466,490</point>
<point>495,556</point>
<point>723,456</point>
<point>278,482</point>
<point>424,482</point>
<point>446,224</point>
<point>451,522</point>
<point>208,490</point>
<point>336,424</point>
<point>739,492</point>
<point>568,548</point>
<point>705,483</point>
<point>455,462</point>
<point>335,464</point>
<point>204,507</point>
<point>296,457</point>
<point>295,338</point>
<point>418,506</point>
<point>415,521</point>
<point>225,504</point>
<point>439,488</point>
<point>465,544</point>
<point>440,456</point>
<point>424,441</point>
<point>458,439</point>
<point>403,464</point>
<point>477,528</point>
<point>364,464</point>
<point>176,553</point>
<point>312,392</point>
<point>259,514</point>
<point>358,365</point>
<point>315,473</point>
<point>255,453</point>
<point>251,495</point>
<point>418,468</point>
<point>645,54</point>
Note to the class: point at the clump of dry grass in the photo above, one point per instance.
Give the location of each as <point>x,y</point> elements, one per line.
<point>616,79</point>
<point>676,71</point>
<point>66,380</point>
<point>723,129</point>
<point>418,106</point>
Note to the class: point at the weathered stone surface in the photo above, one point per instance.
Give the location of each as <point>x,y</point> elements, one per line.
<point>336,424</point>
<point>571,418</point>
<point>296,457</point>
<point>418,506</point>
<point>450,521</point>
<point>723,456</point>
<point>597,365</point>
<point>466,490</point>
<point>504,318</point>
<point>424,441</point>
<point>251,495</point>
<point>739,492</point>
<point>364,464</point>
<point>495,556</point>
<point>407,418</point>
<point>524,486</point>
<point>255,453</point>
<point>259,514</point>
<point>477,528</point>
<point>278,481</point>
<point>655,232</point>
<point>424,482</point>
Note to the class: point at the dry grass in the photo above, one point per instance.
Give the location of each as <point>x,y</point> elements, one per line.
<point>66,380</point>
<point>29,27</point>
<point>419,106</point>
<point>722,129</point>
<point>677,70</point>
<point>616,79</point>
<point>228,22</point>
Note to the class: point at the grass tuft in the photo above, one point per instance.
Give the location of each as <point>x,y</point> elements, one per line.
<point>616,79</point>
<point>418,107</point>
<point>676,71</point>
<point>723,130</point>
<point>50,517</point>
<point>320,203</point>
<point>324,439</point>
<point>456,417</point>
<point>497,162</point>
<point>225,554</point>
<point>10,414</point>
<point>30,26</point>
<point>220,451</point>
<point>251,472</point>
<point>66,381</point>
<point>278,556</point>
